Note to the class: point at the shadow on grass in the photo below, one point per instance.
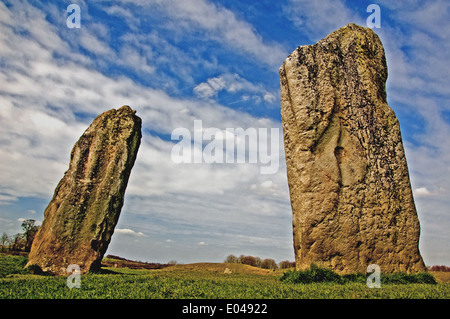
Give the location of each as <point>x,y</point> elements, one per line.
<point>318,274</point>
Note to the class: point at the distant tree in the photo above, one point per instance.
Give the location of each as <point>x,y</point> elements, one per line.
<point>231,259</point>
<point>172,262</point>
<point>248,260</point>
<point>258,262</point>
<point>440,268</point>
<point>4,240</point>
<point>30,230</point>
<point>269,264</point>
<point>18,242</point>
<point>286,264</point>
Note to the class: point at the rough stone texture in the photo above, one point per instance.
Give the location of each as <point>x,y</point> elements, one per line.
<point>80,219</point>
<point>348,178</point>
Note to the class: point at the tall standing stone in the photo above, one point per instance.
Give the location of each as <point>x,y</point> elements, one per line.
<point>348,177</point>
<point>80,219</point>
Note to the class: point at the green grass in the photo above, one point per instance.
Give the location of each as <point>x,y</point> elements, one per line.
<point>179,282</point>
<point>317,275</point>
<point>313,275</point>
<point>12,265</point>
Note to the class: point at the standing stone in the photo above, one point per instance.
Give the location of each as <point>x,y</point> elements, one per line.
<point>81,217</point>
<point>348,178</point>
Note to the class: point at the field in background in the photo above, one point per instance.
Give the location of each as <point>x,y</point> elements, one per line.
<point>200,280</point>
<point>441,277</point>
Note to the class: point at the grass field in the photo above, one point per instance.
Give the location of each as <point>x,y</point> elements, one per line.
<point>196,281</point>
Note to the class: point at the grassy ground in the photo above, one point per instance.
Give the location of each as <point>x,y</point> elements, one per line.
<point>442,277</point>
<point>202,280</point>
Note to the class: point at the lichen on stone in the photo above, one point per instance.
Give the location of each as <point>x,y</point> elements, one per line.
<point>348,177</point>
<point>80,219</point>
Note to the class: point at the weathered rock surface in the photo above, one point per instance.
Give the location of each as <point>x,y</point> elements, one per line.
<point>80,219</point>
<point>348,177</point>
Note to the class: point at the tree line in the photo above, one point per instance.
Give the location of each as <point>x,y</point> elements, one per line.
<point>20,241</point>
<point>439,268</point>
<point>267,263</point>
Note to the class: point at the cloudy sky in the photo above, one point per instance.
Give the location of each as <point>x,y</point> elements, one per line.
<point>178,61</point>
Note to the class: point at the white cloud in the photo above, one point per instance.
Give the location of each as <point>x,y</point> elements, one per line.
<point>428,16</point>
<point>130,57</point>
<point>218,23</point>
<point>234,84</point>
<point>269,97</point>
<point>421,27</point>
<point>421,191</point>
<point>319,18</point>
<point>126,14</point>
<point>210,88</point>
<point>93,44</point>
<point>127,231</point>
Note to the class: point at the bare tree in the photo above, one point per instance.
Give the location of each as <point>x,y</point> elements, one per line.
<point>286,264</point>
<point>269,264</point>
<point>231,259</point>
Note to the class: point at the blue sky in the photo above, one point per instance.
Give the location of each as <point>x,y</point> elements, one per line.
<point>215,61</point>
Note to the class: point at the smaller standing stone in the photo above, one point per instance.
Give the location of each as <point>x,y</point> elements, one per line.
<point>80,219</point>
